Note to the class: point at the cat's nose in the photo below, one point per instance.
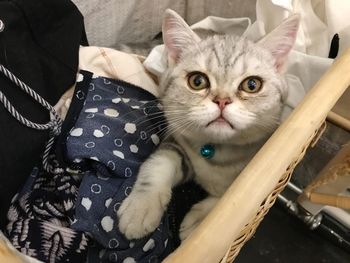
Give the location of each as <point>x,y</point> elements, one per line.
<point>222,102</point>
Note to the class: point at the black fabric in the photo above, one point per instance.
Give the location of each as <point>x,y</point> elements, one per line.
<point>334,48</point>
<point>183,198</point>
<point>40,45</point>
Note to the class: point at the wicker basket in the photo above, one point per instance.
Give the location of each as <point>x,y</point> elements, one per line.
<point>235,218</point>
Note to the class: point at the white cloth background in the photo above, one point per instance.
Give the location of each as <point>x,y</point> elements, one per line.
<point>320,20</point>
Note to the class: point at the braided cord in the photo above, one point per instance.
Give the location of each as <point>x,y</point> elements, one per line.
<point>54,124</point>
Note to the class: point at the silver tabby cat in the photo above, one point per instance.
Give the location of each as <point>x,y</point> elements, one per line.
<point>222,98</point>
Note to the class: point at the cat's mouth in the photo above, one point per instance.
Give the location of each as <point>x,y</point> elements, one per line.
<point>220,121</point>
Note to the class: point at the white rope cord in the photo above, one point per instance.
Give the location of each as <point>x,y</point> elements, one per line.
<point>54,125</point>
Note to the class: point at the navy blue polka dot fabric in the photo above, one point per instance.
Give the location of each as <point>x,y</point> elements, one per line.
<point>116,130</point>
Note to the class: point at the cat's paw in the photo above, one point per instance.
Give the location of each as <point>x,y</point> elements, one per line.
<point>141,212</point>
<point>190,222</point>
<point>195,216</point>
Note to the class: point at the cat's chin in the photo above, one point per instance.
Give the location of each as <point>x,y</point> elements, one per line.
<point>220,131</point>
<point>223,135</point>
<point>212,133</point>
<point>228,134</point>
<point>220,123</point>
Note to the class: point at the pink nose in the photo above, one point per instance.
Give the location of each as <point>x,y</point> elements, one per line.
<point>222,102</point>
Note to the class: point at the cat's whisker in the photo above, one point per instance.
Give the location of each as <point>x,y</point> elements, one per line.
<point>142,108</point>
<point>156,125</point>
<point>159,123</point>
<point>158,115</point>
<point>146,107</point>
<point>144,119</point>
<point>169,128</point>
<point>175,129</point>
<point>188,126</point>
<point>160,133</point>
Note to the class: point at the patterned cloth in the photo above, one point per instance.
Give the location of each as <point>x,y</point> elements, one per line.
<point>110,129</point>
<point>116,130</point>
<point>40,218</point>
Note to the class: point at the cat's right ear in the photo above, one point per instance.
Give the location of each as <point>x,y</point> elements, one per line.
<point>280,41</point>
<point>177,35</point>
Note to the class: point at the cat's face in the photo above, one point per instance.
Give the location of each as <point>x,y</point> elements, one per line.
<point>223,88</point>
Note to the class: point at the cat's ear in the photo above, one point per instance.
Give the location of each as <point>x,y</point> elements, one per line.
<point>177,35</point>
<point>280,41</point>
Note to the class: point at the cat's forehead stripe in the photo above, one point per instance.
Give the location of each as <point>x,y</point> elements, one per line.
<point>232,61</point>
<point>217,56</point>
<point>222,56</point>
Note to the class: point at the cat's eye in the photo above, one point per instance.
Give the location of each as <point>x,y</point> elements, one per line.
<point>251,84</point>
<point>198,81</point>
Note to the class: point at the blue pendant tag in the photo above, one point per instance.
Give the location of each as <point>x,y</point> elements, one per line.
<point>207,151</point>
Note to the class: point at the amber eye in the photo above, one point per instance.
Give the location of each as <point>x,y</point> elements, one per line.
<point>198,81</point>
<point>251,84</point>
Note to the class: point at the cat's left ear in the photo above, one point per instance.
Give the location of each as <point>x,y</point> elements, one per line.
<point>177,35</point>
<point>281,40</point>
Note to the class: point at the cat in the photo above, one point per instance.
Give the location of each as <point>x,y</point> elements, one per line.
<point>222,98</point>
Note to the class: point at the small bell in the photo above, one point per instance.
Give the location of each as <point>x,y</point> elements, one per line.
<point>207,151</point>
